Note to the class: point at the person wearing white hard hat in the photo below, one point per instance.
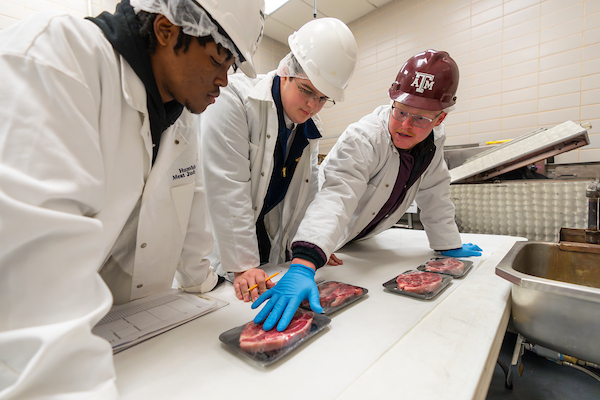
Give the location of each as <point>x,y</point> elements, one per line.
<point>259,147</point>
<point>101,194</point>
<point>376,169</point>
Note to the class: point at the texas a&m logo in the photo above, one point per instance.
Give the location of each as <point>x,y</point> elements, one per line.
<point>423,81</point>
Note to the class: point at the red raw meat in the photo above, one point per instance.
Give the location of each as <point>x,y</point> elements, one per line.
<point>333,294</point>
<point>419,282</point>
<point>254,340</point>
<point>447,266</point>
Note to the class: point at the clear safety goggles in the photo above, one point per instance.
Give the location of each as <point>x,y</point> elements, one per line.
<point>309,97</point>
<point>417,120</point>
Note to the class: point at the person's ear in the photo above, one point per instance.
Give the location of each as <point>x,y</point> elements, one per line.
<point>165,31</point>
<point>441,118</point>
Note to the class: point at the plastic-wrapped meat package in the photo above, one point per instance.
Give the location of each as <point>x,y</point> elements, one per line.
<point>419,282</point>
<point>266,347</point>
<point>451,266</point>
<point>335,295</point>
<point>254,339</point>
<point>424,285</point>
<point>447,265</point>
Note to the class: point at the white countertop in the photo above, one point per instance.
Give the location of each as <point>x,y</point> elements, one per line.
<point>382,345</point>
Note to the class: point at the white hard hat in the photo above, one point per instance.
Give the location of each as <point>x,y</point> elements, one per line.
<point>327,51</point>
<point>241,21</point>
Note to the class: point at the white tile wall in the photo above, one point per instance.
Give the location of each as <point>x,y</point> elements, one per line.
<point>523,63</point>
<point>12,11</point>
<point>268,55</point>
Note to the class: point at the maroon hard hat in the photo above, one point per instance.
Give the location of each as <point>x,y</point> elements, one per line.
<point>428,80</point>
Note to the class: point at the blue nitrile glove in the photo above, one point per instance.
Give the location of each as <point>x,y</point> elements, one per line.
<point>467,250</point>
<point>297,285</point>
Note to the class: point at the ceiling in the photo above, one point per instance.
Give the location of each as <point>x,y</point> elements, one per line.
<point>292,15</point>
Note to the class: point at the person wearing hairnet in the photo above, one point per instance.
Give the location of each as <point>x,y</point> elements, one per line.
<point>101,197</point>
<point>259,147</point>
<point>376,169</point>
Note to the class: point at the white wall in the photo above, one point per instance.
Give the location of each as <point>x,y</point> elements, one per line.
<point>524,64</point>
<point>269,53</point>
<point>12,11</point>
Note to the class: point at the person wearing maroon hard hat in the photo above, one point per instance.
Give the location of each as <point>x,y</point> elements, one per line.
<point>379,166</point>
<point>383,163</point>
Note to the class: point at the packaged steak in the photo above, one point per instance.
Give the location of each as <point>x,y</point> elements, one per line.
<point>419,284</point>
<point>335,295</point>
<point>266,347</point>
<point>447,265</point>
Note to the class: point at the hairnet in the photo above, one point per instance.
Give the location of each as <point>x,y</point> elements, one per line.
<point>191,17</point>
<point>290,67</point>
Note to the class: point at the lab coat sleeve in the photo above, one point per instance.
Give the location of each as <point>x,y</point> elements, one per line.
<point>51,185</point>
<point>195,274</point>
<point>225,156</point>
<point>437,210</point>
<point>344,178</point>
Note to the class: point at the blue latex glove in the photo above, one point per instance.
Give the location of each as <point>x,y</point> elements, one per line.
<point>467,250</point>
<point>297,285</point>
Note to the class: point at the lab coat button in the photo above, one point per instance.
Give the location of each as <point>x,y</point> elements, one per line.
<point>262,174</point>
<point>139,286</point>
<point>176,141</point>
<point>143,246</point>
<point>255,208</point>
<point>307,181</point>
<point>373,213</point>
<point>268,136</point>
<point>387,185</point>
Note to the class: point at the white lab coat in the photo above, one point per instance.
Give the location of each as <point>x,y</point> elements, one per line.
<point>75,158</point>
<point>238,135</point>
<point>357,178</point>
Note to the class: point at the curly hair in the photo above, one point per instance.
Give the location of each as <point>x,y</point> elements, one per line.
<point>183,40</point>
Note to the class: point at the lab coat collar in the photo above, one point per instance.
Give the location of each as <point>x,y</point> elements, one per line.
<point>262,90</point>
<point>134,93</point>
<point>281,115</point>
<point>134,90</point>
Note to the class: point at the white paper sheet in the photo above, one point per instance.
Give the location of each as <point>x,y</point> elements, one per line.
<point>128,324</point>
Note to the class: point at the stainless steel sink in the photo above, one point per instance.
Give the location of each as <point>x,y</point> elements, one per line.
<point>555,297</point>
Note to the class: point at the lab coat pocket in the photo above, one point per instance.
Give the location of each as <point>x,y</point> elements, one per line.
<point>182,199</point>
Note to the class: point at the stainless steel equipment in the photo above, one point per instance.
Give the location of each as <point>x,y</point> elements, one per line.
<point>524,150</point>
<point>535,209</point>
<point>527,208</point>
<point>555,297</point>
<point>592,234</point>
<point>456,155</point>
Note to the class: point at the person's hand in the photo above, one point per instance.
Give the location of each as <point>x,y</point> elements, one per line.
<point>333,260</point>
<point>467,250</point>
<point>245,280</point>
<point>297,285</point>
